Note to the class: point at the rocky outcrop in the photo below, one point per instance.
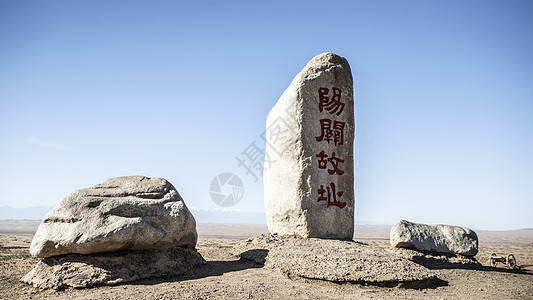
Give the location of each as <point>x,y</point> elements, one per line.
<point>332,260</point>
<point>81,271</point>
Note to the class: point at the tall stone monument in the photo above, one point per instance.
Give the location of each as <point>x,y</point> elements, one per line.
<point>309,166</point>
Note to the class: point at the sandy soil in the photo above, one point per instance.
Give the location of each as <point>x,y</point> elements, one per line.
<point>228,277</point>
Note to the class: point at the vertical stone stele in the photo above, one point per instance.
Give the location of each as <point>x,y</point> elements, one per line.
<point>309,167</point>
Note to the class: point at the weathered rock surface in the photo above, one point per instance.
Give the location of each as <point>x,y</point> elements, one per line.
<point>309,167</point>
<point>81,271</point>
<point>123,213</point>
<point>434,238</point>
<point>332,260</point>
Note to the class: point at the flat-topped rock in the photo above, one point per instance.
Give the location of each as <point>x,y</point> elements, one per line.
<point>309,167</point>
<point>332,260</point>
<point>123,213</point>
<point>434,238</point>
<point>82,271</point>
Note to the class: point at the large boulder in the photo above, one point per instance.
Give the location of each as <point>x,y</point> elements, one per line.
<point>434,238</point>
<point>309,167</point>
<point>123,213</point>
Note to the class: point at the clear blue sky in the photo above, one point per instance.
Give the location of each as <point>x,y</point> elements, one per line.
<point>444,99</point>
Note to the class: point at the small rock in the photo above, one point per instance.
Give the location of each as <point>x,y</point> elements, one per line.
<point>434,238</point>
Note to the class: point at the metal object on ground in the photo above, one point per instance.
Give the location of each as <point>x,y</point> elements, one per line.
<point>508,260</point>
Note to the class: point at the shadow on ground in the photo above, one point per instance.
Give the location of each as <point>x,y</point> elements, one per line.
<point>212,268</point>
<point>438,264</point>
<point>218,268</point>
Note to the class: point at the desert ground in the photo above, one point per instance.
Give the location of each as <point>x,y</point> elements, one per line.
<point>225,276</point>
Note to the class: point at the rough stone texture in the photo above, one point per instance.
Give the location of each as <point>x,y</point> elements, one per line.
<point>297,173</point>
<point>332,260</point>
<point>434,238</point>
<point>81,271</point>
<point>123,213</point>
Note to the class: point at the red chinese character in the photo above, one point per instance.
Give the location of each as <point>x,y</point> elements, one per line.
<point>331,105</point>
<point>325,126</point>
<point>335,163</point>
<point>338,132</point>
<point>322,162</point>
<point>327,132</point>
<point>321,197</point>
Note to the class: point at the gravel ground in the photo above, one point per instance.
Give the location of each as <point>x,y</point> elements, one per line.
<point>228,277</point>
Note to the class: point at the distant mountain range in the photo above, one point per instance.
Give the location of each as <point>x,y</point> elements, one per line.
<point>223,215</point>
<point>202,215</point>
<point>27,213</point>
